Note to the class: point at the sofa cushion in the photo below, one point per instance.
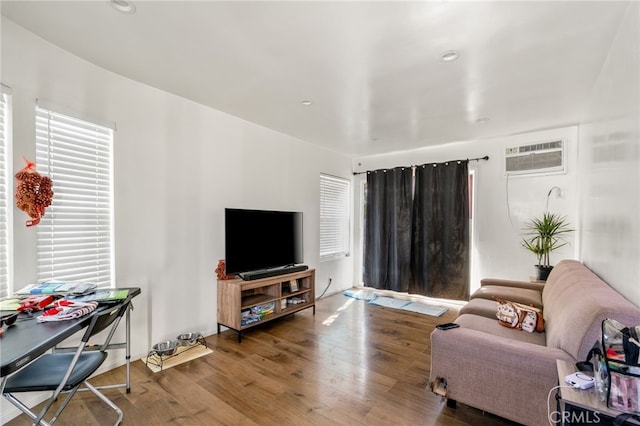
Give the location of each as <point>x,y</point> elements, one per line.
<point>513,294</point>
<point>483,307</point>
<point>492,327</point>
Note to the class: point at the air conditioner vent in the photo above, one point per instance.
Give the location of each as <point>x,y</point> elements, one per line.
<point>543,157</point>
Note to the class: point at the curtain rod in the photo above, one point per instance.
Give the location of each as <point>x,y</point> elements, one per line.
<point>486,157</point>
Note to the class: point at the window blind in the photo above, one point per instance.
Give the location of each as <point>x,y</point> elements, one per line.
<point>334,217</point>
<point>5,191</point>
<point>75,236</point>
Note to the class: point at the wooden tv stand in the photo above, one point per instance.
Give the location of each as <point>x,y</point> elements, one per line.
<point>244,304</point>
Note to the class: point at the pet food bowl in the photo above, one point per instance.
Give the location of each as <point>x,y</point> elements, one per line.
<point>189,339</point>
<point>166,348</point>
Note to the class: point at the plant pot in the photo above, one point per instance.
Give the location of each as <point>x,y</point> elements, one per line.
<point>542,272</point>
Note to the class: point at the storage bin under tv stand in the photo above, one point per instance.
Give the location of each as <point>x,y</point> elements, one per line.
<point>237,296</point>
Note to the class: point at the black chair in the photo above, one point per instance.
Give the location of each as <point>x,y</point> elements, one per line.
<point>66,372</point>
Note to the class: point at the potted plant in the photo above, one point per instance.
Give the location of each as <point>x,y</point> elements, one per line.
<point>542,236</point>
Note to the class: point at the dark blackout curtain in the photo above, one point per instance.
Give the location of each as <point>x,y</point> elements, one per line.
<point>387,234</point>
<point>440,235</point>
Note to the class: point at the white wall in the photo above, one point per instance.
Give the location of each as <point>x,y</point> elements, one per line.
<point>178,164</point>
<point>609,169</point>
<point>503,204</point>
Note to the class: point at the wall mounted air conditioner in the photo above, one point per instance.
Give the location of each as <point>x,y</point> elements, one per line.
<point>543,157</point>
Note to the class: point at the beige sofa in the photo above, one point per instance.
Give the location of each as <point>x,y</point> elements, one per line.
<point>510,372</point>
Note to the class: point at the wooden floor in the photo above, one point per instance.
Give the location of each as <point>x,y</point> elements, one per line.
<point>350,364</point>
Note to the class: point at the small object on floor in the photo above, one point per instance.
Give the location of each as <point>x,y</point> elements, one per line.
<point>165,348</point>
<point>439,387</point>
<point>173,352</point>
<point>191,338</point>
<point>183,354</point>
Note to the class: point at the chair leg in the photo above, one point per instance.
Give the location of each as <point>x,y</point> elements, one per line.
<point>64,404</point>
<point>106,400</point>
<point>39,419</point>
<point>26,410</point>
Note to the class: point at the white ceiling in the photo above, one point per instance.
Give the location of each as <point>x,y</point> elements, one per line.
<point>371,68</point>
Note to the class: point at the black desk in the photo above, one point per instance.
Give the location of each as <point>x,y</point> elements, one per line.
<point>27,339</point>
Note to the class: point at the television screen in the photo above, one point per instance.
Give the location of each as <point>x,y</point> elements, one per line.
<point>261,239</point>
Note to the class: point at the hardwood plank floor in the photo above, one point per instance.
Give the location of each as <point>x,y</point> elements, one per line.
<point>350,364</point>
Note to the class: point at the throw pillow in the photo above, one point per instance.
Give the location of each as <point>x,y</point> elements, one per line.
<point>519,316</point>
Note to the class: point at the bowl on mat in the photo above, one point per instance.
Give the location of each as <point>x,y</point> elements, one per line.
<point>189,339</point>
<point>166,348</point>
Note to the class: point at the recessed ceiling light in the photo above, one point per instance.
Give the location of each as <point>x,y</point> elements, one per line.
<point>123,6</point>
<point>306,102</point>
<point>449,55</point>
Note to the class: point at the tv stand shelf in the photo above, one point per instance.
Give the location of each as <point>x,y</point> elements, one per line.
<point>244,304</point>
<point>255,299</point>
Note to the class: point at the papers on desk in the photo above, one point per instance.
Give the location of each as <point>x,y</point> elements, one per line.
<point>10,304</point>
<point>81,292</point>
<point>103,295</point>
<point>58,287</point>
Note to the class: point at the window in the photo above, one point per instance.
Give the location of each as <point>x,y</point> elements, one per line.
<point>334,217</point>
<point>75,236</point>
<point>5,191</point>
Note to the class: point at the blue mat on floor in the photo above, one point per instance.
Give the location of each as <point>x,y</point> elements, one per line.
<point>422,308</point>
<point>390,302</point>
<point>360,294</point>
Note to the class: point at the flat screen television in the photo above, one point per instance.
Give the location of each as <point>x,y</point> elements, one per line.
<point>257,240</point>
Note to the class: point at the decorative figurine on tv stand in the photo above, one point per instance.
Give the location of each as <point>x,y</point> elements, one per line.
<point>221,271</point>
